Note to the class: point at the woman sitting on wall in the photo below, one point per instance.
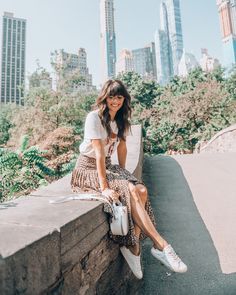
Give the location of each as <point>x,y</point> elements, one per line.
<point>105,131</point>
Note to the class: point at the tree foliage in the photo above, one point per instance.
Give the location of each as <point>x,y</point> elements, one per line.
<point>142,92</point>
<point>52,119</point>
<point>186,111</point>
<point>6,112</point>
<point>61,147</point>
<point>22,170</point>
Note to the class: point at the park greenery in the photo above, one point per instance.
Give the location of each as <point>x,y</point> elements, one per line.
<point>39,141</point>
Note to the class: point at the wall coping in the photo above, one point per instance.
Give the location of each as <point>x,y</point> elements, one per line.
<point>217,135</point>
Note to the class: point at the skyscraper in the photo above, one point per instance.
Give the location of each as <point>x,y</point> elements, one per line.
<point>13,59</point>
<point>175,32</point>
<point>108,39</point>
<point>144,60</point>
<point>187,63</point>
<point>207,62</point>
<point>169,41</point>
<point>164,58</point>
<point>125,62</point>
<point>227,14</point>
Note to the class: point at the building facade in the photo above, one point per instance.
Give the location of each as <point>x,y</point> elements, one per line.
<point>125,62</point>
<point>207,62</point>
<point>188,62</point>
<point>144,61</point>
<point>69,64</point>
<point>107,40</point>
<point>169,41</point>
<point>227,14</point>
<point>13,59</point>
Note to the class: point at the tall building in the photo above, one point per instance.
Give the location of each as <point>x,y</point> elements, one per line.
<point>164,58</point>
<point>125,62</point>
<point>187,63</point>
<point>169,41</point>
<point>108,39</point>
<point>227,14</point>
<point>144,60</point>
<point>70,63</point>
<point>13,59</point>
<point>207,62</point>
<point>175,31</point>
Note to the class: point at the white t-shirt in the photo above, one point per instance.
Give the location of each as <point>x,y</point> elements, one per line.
<point>93,129</point>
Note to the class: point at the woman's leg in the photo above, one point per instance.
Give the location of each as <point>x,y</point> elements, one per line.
<point>142,193</point>
<point>141,219</point>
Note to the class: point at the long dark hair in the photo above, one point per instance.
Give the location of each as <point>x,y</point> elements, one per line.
<point>122,117</point>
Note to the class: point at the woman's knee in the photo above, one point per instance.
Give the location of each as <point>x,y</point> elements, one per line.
<point>142,191</point>
<point>138,192</point>
<point>134,193</point>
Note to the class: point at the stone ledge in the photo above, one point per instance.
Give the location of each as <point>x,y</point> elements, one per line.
<point>46,246</point>
<point>223,141</point>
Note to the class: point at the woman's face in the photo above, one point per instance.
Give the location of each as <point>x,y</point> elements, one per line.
<point>114,103</point>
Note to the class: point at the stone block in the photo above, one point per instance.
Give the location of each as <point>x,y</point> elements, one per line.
<point>78,229</point>
<point>80,250</point>
<point>118,279</point>
<point>32,269</point>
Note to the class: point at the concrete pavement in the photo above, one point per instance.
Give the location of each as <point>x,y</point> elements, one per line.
<point>194,199</point>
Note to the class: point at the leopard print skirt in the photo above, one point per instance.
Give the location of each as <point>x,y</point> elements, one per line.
<point>85,179</point>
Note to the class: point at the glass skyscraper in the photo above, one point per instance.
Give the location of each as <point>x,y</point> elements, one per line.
<point>227,14</point>
<point>144,61</point>
<point>169,41</point>
<point>108,39</point>
<point>164,58</point>
<point>175,31</point>
<point>13,59</point>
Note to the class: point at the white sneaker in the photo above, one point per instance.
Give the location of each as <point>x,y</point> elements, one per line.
<point>170,259</point>
<point>133,262</point>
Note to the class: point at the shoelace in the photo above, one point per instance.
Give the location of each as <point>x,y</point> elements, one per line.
<point>172,253</point>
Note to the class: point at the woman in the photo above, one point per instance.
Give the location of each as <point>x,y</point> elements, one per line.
<point>105,131</point>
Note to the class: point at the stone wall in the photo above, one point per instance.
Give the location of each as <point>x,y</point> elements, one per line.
<point>223,141</point>
<point>63,248</point>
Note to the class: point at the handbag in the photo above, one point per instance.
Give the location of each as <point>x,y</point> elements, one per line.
<point>119,224</point>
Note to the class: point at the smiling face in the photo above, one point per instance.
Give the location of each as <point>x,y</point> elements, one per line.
<point>114,103</point>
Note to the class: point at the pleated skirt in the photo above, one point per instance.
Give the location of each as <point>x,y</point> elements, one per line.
<point>85,180</point>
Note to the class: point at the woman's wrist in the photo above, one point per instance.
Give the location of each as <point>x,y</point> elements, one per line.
<point>104,189</point>
<point>103,185</point>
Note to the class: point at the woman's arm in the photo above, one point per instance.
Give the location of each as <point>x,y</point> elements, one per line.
<point>101,168</point>
<point>100,161</point>
<point>122,153</point>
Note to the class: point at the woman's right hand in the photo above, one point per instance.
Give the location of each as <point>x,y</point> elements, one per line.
<point>112,195</point>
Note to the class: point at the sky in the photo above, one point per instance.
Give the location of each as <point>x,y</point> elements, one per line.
<point>71,24</point>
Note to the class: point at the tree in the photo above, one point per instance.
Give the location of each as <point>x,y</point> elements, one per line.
<point>143,92</point>
<point>6,112</point>
<point>62,149</point>
<point>22,170</point>
<point>40,78</point>
<point>179,122</point>
<point>230,83</point>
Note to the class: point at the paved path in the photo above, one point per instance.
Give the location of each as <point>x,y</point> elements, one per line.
<point>194,199</point>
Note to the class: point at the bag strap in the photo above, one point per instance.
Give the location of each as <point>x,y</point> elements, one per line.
<point>86,197</point>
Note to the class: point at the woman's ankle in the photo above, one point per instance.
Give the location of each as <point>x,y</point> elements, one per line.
<point>135,249</point>
<point>160,246</point>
